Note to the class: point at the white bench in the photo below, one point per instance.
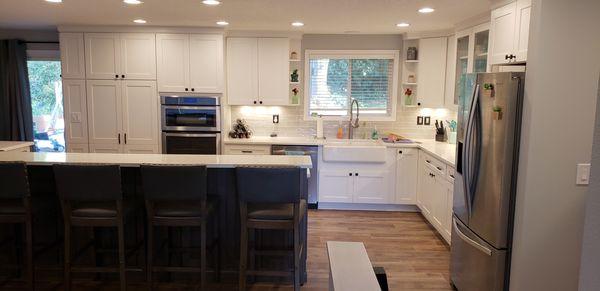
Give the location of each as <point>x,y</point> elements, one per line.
<point>350,268</point>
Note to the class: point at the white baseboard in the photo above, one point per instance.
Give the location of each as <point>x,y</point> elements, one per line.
<point>369,207</point>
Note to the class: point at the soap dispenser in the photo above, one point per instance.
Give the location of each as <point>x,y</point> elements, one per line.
<point>340,131</point>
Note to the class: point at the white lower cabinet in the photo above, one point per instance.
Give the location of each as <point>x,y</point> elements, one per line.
<point>77,148</point>
<point>406,175</point>
<point>371,186</point>
<point>336,186</point>
<point>435,194</point>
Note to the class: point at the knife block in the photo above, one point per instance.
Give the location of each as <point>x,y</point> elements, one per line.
<point>440,137</point>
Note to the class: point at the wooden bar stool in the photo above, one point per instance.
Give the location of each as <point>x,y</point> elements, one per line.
<point>176,196</point>
<point>91,196</point>
<point>16,208</point>
<point>270,198</point>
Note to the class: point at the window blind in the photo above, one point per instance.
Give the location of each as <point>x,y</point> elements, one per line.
<point>335,81</point>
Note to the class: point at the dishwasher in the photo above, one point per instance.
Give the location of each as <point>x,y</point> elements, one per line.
<point>313,152</point>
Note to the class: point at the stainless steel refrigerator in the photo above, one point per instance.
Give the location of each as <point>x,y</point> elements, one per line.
<point>489,122</point>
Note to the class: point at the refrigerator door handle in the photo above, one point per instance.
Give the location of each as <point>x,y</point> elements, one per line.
<point>468,240</point>
<point>467,149</point>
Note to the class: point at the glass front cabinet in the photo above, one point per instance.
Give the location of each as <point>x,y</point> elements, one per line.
<point>471,55</point>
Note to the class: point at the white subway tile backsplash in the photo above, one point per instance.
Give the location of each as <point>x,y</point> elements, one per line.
<point>292,123</point>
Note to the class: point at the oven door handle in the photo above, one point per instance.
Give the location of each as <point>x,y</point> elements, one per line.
<point>191,134</point>
<point>215,107</point>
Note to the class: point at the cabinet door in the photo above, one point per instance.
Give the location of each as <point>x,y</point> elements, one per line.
<point>242,71</point>
<point>273,71</point>
<point>138,56</point>
<point>102,56</point>
<point>449,100</point>
<point>72,55</point>
<point>104,112</point>
<point>447,227</point>
<point>406,176</point>
<point>481,37</point>
<point>521,41</point>
<point>77,148</point>
<point>172,58</point>
<point>206,63</point>
<point>502,33</point>
<point>75,108</point>
<point>140,149</point>
<point>140,113</point>
<point>106,148</point>
<point>432,71</point>
<point>371,187</point>
<point>335,186</point>
<point>438,195</point>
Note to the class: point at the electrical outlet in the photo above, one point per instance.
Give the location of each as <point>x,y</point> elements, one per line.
<point>76,117</point>
<point>419,120</point>
<point>427,120</point>
<point>275,118</point>
<point>583,174</point>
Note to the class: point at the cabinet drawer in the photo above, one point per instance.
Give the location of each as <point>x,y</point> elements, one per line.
<point>450,174</point>
<point>248,150</point>
<point>434,164</point>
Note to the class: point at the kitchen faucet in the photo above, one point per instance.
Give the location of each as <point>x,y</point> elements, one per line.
<point>353,123</point>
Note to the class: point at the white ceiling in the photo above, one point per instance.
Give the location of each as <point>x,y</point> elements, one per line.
<point>319,16</point>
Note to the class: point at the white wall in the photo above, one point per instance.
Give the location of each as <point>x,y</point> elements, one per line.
<point>558,123</point>
<point>590,256</point>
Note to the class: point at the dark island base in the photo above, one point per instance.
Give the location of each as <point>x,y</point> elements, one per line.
<point>48,229</point>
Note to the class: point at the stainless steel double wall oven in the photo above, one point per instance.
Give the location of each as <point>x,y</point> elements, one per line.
<point>191,124</point>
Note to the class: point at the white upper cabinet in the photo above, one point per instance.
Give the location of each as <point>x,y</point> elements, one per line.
<point>206,63</point>
<point>75,108</point>
<point>522,19</point>
<point>112,56</point>
<point>509,32</point>
<point>469,55</point>
<point>72,55</point>
<point>140,113</point>
<point>257,71</point>
<point>138,56</point>
<point>273,71</point>
<point>190,63</point>
<point>102,56</point>
<point>242,71</point>
<point>172,55</point>
<point>104,111</point>
<point>432,71</point>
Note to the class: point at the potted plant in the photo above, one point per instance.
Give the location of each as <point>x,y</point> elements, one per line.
<point>295,96</point>
<point>488,90</point>
<point>294,76</point>
<point>497,112</point>
<point>408,96</point>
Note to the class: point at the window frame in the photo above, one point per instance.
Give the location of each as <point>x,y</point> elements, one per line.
<point>353,54</point>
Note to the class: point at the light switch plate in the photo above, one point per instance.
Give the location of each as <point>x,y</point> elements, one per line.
<point>583,174</point>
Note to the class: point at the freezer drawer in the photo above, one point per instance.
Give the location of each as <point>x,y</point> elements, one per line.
<point>475,265</point>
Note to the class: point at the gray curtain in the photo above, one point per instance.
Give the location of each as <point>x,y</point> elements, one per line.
<point>16,122</point>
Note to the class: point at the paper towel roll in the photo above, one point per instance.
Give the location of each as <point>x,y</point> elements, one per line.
<point>319,127</point>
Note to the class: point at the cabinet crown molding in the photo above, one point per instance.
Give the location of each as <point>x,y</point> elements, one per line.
<point>147,29</point>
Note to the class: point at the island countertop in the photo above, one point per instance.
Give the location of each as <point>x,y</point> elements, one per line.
<point>6,146</point>
<point>135,160</point>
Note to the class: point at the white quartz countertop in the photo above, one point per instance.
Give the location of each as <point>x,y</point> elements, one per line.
<point>13,145</point>
<point>442,150</point>
<point>134,160</point>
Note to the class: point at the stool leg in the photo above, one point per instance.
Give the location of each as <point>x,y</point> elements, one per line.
<point>29,253</point>
<point>296,258</point>
<point>203,255</point>
<point>218,253</point>
<point>243,254</point>
<point>121,238</point>
<point>67,260</point>
<point>150,254</point>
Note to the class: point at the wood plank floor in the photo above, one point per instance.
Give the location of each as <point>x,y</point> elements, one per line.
<point>413,255</point>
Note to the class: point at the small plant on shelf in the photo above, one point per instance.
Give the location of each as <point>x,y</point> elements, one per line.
<point>294,76</point>
<point>408,96</point>
<point>295,96</point>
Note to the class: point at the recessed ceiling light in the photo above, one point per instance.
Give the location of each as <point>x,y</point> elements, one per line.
<point>140,21</point>
<point>54,1</point>
<point>426,10</point>
<point>211,2</point>
<point>222,23</point>
<point>403,24</point>
<point>132,2</point>
<point>297,24</point>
